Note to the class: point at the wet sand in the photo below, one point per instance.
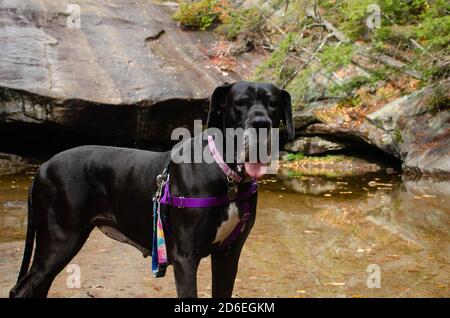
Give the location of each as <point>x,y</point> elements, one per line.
<point>313,237</point>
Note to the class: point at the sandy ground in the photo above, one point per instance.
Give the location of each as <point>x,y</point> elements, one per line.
<point>108,269</point>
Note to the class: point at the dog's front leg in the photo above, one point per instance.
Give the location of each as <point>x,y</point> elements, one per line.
<point>224,266</point>
<point>185,270</point>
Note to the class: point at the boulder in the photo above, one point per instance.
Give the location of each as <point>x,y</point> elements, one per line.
<point>118,68</point>
<point>313,145</point>
<point>12,164</point>
<point>307,116</point>
<point>415,128</point>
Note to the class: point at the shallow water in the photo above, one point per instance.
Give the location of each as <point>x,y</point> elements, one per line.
<point>13,204</point>
<point>316,237</point>
<point>323,234</point>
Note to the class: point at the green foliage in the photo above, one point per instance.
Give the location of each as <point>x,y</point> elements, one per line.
<point>200,14</point>
<point>325,158</point>
<point>425,21</point>
<point>292,65</point>
<point>352,101</point>
<point>243,21</point>
<point>333,57</point>
<point>294,156</point>
<point>434,32</point>
<point>397,136</point>
<point>349,87</point>
<point>354,14</point>
<point>299,86</point>
<point>394,34</point>
<point>293,173</point>
<point>276,67</point>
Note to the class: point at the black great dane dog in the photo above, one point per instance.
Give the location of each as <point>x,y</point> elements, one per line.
<point>112,188</point>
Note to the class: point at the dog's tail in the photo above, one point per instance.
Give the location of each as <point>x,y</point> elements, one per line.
<point>29,241</point>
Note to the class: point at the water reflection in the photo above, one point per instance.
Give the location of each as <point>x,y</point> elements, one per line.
<point>13,204</point>
<point>315,237</point>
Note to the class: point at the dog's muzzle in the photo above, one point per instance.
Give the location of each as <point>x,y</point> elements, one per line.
<point>257,147</point>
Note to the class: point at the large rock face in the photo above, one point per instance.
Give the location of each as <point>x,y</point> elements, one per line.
<point>417,128</point>
<point>103,72</point>
<point>414,128</point>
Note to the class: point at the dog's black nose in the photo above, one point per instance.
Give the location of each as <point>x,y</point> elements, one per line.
<point>261,122</point>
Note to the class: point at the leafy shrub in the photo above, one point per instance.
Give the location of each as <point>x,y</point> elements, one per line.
<point>353,14</point>
<point>334,57</point>
<point>434,29</point>
<point>435,33</point>
<point>428,21</point>
<point>201,14</point>
<point>242,21</point>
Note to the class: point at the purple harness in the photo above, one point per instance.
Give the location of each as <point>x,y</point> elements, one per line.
<point>182,202</point>
<point>159,253</point>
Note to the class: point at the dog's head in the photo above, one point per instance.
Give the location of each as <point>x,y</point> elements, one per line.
<point>251,105</point>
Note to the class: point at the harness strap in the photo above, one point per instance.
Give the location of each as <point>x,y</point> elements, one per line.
<point>182,202</point>
<point>238,228</point>
<point>159,253</point>
<point>219,160</point>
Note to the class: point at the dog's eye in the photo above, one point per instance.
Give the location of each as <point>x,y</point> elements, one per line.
<point>241,103</point>
<point>273,103</point>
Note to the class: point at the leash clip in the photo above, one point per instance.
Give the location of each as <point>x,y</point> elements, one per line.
<point>232,189</point>
<point>161,180</point>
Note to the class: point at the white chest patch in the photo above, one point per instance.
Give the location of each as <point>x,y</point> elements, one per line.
<point>228,225</point>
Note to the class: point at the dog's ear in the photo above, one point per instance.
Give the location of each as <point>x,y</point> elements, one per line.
<point>287,114</point>
<point>218,99</point>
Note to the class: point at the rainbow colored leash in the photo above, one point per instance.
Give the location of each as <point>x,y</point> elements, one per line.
<point>159,252</point>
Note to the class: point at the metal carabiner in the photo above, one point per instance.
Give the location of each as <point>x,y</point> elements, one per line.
<point>160,182</point>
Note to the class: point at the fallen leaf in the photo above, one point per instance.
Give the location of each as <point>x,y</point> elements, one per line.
<point>334,284</point>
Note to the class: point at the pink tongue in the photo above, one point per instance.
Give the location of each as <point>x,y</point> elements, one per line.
<point>255,170</point>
